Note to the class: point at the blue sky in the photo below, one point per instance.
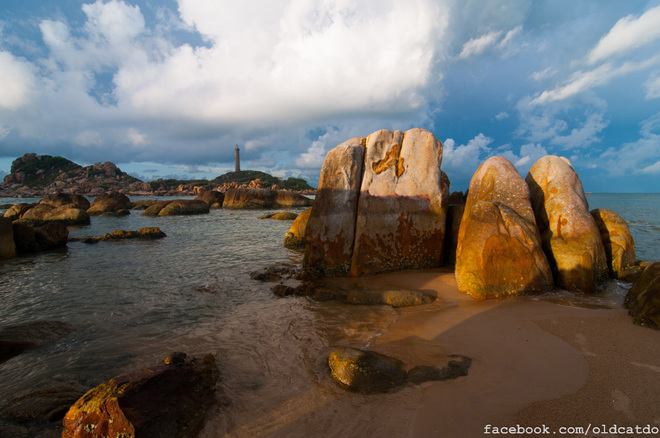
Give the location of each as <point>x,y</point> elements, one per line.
<point>167,88</point>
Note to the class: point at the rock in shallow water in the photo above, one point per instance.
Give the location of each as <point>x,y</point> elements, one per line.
<point>366,371</point>
<point>17,338</point>
<point>166,400</point>
<point>394,298</point>
<point>643,299</point>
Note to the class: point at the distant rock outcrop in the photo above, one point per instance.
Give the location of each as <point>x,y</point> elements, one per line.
<point>177,207</point>
<point>571,239</point>
<point>213,198</point>
<point>240,198</point>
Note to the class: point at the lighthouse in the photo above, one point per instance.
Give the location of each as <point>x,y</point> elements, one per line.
<point>237,159</point>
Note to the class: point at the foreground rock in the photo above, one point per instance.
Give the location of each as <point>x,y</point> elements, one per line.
<point>166,400</point>
<point>110,204</point>
<point>295,237</point>
<point>17,210</point>
<point>618,242</point>
<point>330,230</point>
<point>499,251</point>
<point>455,211</point>
<point>394,298</point>
<point>15,339</point>
<point>571,239</point>
<point>47,404</point>
<point>46,237</point>
<point>643,298</point>
<point>148,233</point>
<point>401,212</point>
<point>7,245</point>
<point>368,372</point>
<point>365,371</point>
<point>177,207</point>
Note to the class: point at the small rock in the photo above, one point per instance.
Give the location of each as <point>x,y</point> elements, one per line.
<point>394,298</point>
<point>453,370</point>
<point>643,298</point>
<point>365,371</point>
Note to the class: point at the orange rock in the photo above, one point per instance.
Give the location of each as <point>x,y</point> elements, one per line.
<point>618,242</point>
<point>571,239</point>
<point>295,237</point>
<point>330,230</point>
<point>402,205</point>
<point>499,251</point>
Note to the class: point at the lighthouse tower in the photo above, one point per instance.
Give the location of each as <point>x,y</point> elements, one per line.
<point>237,159</point>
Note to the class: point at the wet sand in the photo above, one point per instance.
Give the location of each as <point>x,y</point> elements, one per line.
<point>553,361</point>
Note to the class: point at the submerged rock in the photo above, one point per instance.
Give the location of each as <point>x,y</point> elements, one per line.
<point>15,339</point>
<point>7,245</point>
<point>295,237</point>
<point>453,370</point>
<point>47,404</point>
<point>142,233</point>
<point>394,298</point>
<point>571,239</point>
<point>365,371</point>
<point>281,216</point>
<point>618,242</point>
<point>50,236</point>
<point>643,298</point>
<point>499,251</point>
<point>165,400</point>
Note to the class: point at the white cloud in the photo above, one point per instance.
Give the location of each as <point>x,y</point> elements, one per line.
<point>88,138</point>
<point>464,158</point>
<point>313,158</point>
<point>529,154</point>
<point>543,74</point>
<point>502,115</point>
<point>16,81</point>
<point>652,169</point>
<point>476,46</point>
<point>627,34</point>
<point>582,81</point>
<point>584,135</point>
<point>653,86</point>
<point>136,138</point>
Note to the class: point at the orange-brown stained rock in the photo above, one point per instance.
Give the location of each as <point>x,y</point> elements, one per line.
<point>295,237</point>
<point>571,239</point>
<point>499,251</point>
<point>330,230</point>
<point>402,206</point>
<point>618,242</point>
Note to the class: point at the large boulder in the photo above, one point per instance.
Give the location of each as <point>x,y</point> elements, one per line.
<point>238,198</point>
<point>165,400</point>
<point>62,199</point>
<point>180,207</point>
<point>571,239</point>
<point>154,208</point>
<point>17,210</point>
<point>330,230</point>
<point>499,251</point>
<point>401,215</point>
<point>7,245</point>
<point>455,211</point>
<point>295,237</point>
<point>366,371</point>
<point>619,244</point>
<point>643,298</point>
<point>45,213</point>
<point>110,204</point>
<point>49,236</point>
<point>212,198</point>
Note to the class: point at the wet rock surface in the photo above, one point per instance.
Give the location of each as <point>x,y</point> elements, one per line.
<point>15,339</point>
<point>643,298</point>
<point>147,233</point>
<point>166,400</point>
<point>394,298</point>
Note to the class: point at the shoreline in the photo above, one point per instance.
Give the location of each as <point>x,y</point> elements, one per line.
<point>535,362</point>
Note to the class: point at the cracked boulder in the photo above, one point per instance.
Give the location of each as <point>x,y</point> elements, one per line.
<point>499,251</point>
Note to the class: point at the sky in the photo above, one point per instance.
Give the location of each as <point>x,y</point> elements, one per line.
<point>168,88</point>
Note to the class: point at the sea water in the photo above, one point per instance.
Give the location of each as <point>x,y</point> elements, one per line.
<point>132,302</point>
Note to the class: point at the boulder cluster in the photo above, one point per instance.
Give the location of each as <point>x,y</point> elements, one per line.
<point>383,204</point>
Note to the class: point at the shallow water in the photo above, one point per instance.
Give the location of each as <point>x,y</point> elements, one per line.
<point>133,302</point>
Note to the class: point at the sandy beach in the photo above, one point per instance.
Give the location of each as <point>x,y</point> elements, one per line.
<point>559,361</point>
